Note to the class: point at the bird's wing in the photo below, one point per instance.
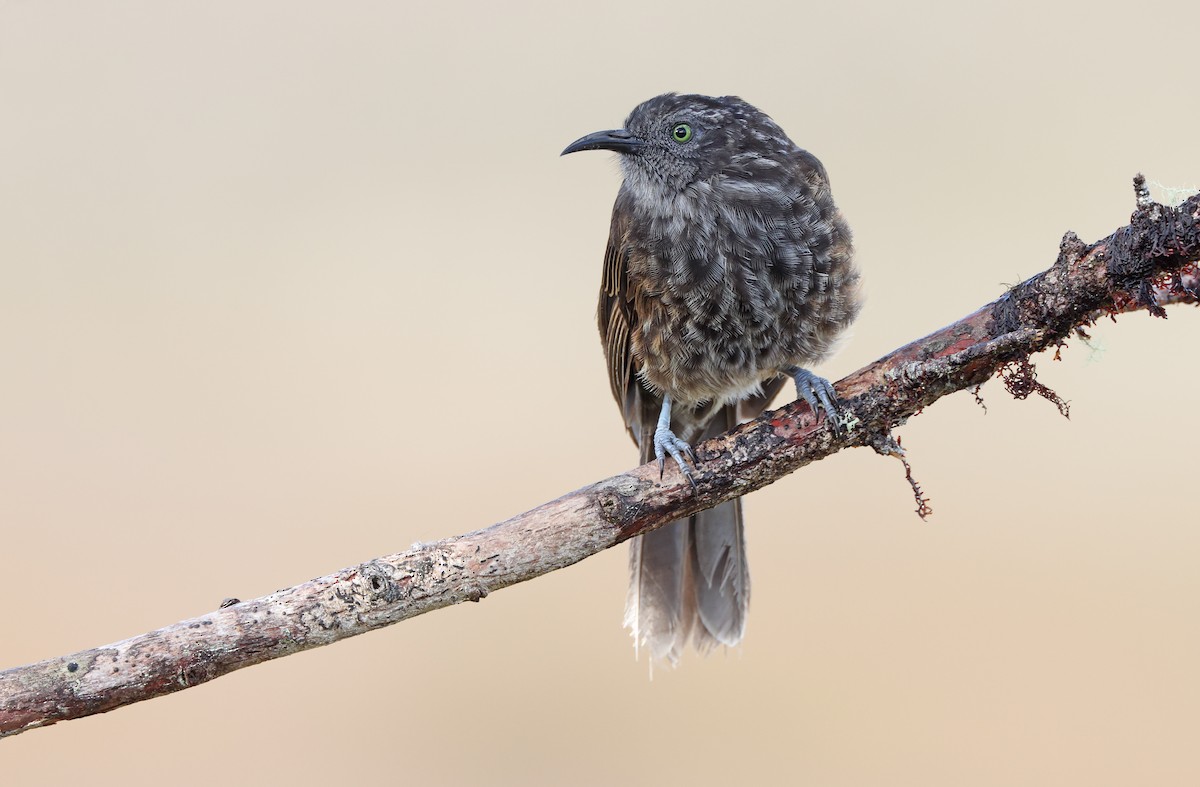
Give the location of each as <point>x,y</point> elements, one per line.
<point>615,317</point>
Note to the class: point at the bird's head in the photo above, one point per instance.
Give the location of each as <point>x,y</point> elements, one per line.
<point>674,140</point>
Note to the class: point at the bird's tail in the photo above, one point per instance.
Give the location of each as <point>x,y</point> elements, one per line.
<point>689,580</point>
<point>671,598</point>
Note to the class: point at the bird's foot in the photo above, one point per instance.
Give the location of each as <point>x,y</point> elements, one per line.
<point>818,392</point>
<point>666,443</point>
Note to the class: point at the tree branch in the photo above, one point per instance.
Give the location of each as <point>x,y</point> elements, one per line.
<point>1149,263</point>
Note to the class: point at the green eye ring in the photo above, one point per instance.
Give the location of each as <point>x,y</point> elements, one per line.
<point>681,133</point>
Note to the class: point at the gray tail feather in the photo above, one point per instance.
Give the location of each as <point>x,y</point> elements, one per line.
<point>689,580</point>
<point>721,576</point>
<point>660,610</point>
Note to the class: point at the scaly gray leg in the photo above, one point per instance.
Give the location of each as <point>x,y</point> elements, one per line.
<point>817,391</point>
<point>665,442</point>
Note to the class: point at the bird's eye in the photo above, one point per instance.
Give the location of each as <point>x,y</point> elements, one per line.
<point>682,132</point>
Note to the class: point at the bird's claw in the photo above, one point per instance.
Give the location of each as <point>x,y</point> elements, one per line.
<point>666,443</point>
<point>819,394</point>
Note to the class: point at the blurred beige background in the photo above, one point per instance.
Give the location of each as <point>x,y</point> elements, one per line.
<point>261,263</point>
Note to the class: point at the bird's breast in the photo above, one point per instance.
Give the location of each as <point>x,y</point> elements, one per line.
<point>727,295</point>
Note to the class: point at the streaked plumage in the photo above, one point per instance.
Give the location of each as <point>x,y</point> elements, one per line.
<point>728,270</point>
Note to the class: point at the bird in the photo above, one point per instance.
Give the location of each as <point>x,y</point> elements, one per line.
<point>729,271</point>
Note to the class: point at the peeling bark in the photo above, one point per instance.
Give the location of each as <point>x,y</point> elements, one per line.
<point>1145,265</point>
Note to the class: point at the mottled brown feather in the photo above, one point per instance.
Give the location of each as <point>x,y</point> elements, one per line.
<point>728,267</point>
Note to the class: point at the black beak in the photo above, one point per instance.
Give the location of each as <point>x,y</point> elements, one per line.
<point>619,140</point>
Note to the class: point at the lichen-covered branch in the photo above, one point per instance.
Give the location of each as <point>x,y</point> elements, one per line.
<point>1144,265</point>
